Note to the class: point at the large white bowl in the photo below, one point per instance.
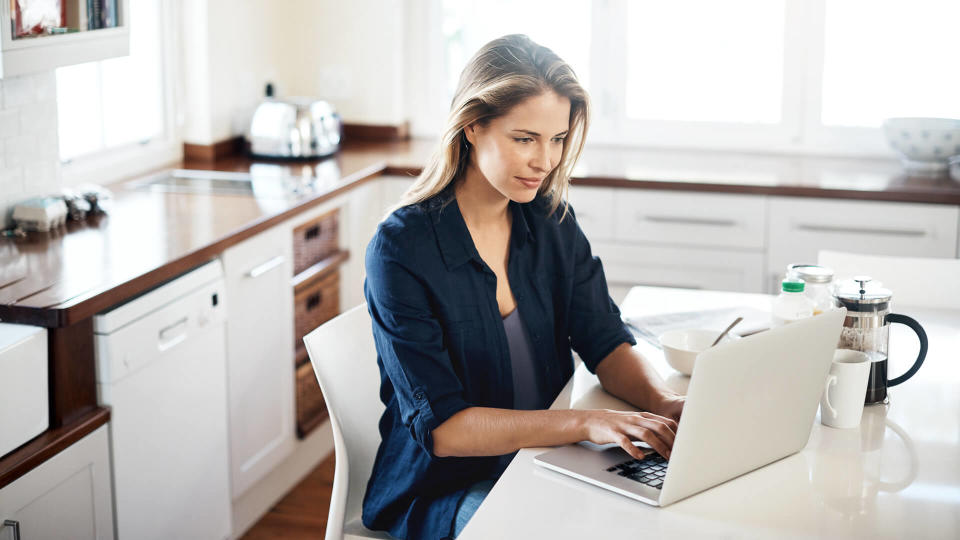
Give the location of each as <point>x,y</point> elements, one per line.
<point>925,144</point>
<point>681,347</point>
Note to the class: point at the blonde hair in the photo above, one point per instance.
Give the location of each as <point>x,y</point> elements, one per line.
<point>503,73</point>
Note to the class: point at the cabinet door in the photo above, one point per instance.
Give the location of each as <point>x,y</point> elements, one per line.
<point>594,208</point>
<point>800,228</point>
<point>682,218</point>
<point>260,375</point>
<point>721,269</point>
<point>66,497</point>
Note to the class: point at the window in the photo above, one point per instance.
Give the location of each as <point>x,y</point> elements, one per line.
<point>782,76</point>
<point>120,106</point>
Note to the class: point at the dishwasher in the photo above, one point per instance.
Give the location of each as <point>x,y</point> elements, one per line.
<point>161,368</point>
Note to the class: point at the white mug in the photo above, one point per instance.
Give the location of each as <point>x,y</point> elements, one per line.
<point>845,389</point>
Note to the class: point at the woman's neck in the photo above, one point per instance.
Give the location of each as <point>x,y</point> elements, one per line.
<point>480,204</point>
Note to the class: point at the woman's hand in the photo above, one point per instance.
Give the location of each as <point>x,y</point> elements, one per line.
<point>670,406</point>
<point>605,426</point>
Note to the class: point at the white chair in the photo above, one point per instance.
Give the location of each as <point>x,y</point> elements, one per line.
<point>915,281</point>
<point>344,359</point>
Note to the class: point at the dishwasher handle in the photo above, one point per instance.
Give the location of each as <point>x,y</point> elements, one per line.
<point>172,335</point>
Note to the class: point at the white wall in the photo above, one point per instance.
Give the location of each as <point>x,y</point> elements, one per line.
<point>348,53</point>
<point>29,148</point>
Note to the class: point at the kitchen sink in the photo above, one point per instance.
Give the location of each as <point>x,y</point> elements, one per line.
<point>197,181</point>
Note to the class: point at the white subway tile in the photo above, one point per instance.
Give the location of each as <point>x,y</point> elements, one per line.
<point>21,149</point>
<point>11,183</point>
<point>41,177</point>
<point>18,91</point>
<point>46,86</point>
<point>9,123</point>
<point>38,118</point>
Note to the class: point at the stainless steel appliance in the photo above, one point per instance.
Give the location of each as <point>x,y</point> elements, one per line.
<point>867,328</point>
<point>294,128</point>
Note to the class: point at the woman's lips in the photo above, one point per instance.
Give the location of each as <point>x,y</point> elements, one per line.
<point>529,182</point>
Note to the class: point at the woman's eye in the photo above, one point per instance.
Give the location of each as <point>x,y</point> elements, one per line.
<point>558,139</point>
<point>522,139</point>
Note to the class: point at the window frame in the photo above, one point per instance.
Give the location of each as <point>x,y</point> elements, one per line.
<point>799,132</point>
<point>123,161</point>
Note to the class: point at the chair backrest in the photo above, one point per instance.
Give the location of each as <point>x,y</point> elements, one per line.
<point>915,281</point>
<point>344,358</point>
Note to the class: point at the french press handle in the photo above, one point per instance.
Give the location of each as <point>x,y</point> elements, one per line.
<point>921,335</point>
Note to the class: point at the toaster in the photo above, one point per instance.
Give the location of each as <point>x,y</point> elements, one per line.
<point>294,128</point>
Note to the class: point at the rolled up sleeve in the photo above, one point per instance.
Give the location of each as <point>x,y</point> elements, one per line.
<point>411,346</point>
<point>595,326</point>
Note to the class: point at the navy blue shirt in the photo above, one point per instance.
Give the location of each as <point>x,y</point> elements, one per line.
<point>441,345</point>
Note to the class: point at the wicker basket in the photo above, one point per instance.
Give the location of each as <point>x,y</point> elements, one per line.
<point>311,408</point>
<point>314,305</point>
<point>316,240</point>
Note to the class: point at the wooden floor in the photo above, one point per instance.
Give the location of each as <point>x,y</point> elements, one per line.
<point>301,513</point>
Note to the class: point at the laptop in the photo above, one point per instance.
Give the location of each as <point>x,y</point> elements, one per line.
<point>750,402</point>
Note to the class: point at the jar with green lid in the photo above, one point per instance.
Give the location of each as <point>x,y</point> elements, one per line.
<point>818,284</point>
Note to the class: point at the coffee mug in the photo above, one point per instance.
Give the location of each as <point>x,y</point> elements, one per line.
<point>842,403</point>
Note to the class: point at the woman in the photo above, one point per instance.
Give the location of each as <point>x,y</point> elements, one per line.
<point>478,286</point>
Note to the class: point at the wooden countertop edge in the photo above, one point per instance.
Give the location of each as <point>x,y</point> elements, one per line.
<point>48,444</point>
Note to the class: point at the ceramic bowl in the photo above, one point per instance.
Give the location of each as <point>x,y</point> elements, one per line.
<point>925,144</point>
<point>681,347</point>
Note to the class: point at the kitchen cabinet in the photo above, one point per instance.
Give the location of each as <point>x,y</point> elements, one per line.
<point>31,54</point>
<point>674,239</point>
<point>68,496</point>
<point>800,227</point>
<point>260,375</point>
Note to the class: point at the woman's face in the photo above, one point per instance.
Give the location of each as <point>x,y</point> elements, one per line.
<point>516,151</point>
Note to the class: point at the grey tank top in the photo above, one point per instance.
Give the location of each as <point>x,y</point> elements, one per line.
<point>525,382</point>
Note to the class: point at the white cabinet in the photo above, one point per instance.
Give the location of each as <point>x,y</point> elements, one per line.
<point>674,239</point>
<point>68,496</point>
<point>260,370</point>
<point>800,227</point>
<point>690,219</point>
<point>43,53</point>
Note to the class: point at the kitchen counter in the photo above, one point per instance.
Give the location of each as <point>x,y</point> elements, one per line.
<point>149,237</point>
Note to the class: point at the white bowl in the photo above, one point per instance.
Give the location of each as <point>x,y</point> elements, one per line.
<point>925,144</point>
<point>681,347</point>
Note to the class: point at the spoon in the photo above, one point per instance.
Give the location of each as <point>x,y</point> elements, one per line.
<point>724,333</point>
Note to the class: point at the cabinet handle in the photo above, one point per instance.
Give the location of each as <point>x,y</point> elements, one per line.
<point>262,269</point>
<point>15,525</point>
<point>687,221</point>
<point>860,230</point>
<point>312,232</point>
<point>314,300</point>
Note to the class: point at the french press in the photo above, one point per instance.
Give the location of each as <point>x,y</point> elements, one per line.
<point>867,328</point>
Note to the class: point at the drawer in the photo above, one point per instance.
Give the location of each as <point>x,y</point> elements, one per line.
<point>314,305</point>
<point>315,240</point>
<point>690,219</point>
<point>311,408</point>
<point>800,228</point>
<point>593,206</point>
<point>690,268</point>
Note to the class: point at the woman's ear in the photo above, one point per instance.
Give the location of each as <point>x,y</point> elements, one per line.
<point>470,132</point>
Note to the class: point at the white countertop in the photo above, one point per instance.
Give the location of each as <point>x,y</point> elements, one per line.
<point>896,476</point>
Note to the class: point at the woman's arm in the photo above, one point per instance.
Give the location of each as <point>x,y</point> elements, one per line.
<point>482,431</point>
<point>626,374</point>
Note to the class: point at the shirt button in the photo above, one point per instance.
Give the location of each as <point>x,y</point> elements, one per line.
<point>418,395</point>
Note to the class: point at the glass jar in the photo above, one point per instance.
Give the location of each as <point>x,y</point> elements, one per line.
<point>818,282</point>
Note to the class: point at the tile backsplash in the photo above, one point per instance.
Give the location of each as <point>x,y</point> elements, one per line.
<point>29,148</point>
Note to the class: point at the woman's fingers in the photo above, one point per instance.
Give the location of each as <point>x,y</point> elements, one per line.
<point>650,437</point>
<point>629,447</point>
<point>670,422</point>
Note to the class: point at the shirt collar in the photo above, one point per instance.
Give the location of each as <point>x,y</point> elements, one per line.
<point>456,244</point>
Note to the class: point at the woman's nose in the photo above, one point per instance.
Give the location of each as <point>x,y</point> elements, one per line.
<point>541,159</point>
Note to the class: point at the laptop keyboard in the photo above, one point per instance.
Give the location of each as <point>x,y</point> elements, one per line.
<point>649,471</point>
